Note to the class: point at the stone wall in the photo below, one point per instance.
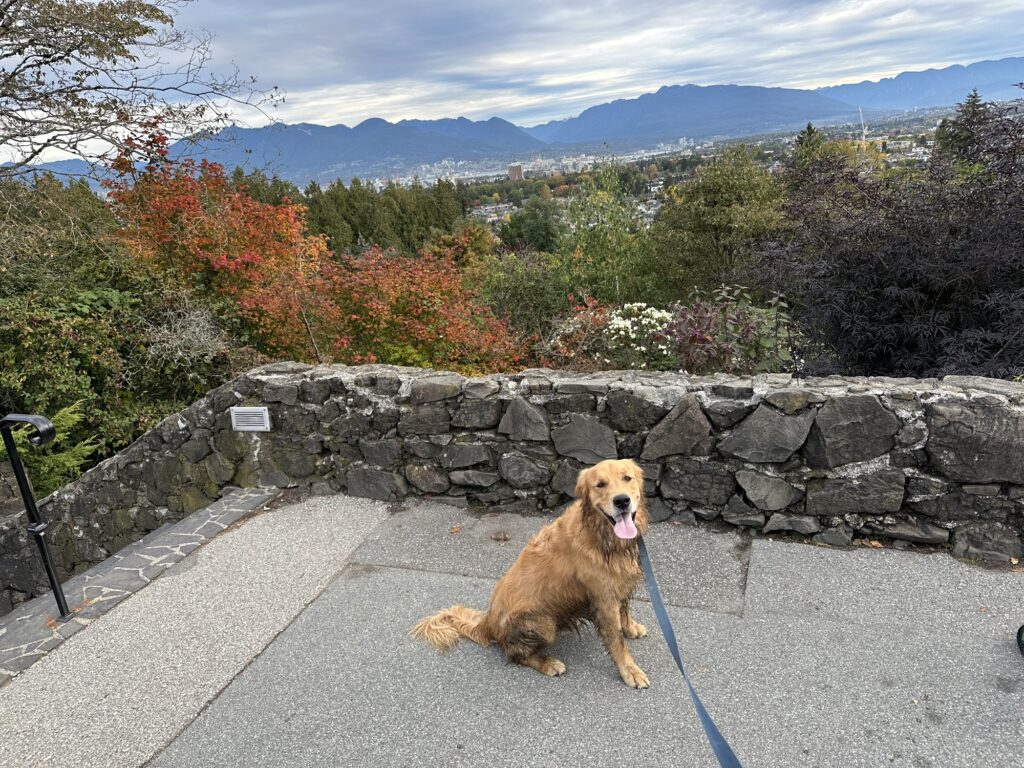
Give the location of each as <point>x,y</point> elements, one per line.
<point>926,461</point>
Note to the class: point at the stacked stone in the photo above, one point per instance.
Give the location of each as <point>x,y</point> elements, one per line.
<point>924,461</point>
<point>19,574</point>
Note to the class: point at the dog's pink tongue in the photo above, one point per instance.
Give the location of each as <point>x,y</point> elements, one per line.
<point>624,527</point>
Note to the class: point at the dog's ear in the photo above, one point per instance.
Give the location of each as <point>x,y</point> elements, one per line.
<point>582,483</point>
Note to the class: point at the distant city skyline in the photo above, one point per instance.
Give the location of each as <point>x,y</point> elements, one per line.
<point>531,61</point>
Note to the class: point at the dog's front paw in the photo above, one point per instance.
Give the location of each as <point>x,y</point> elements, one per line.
<point>553,667</point>
<point>634,677</point>
<point>635,630</point>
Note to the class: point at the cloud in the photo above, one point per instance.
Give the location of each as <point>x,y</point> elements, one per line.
<point>534,60</point>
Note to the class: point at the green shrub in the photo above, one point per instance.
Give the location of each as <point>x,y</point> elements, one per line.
<point>84,322</point>
<point>53,466</point>
<point>50,359</point>
<point>531,289</point>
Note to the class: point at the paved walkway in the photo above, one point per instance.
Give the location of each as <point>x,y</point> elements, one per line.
<point>283,642</point>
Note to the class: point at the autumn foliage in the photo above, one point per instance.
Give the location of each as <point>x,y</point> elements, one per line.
<point>413,311</point>
<point>289,294</point>
<point>213,240</point>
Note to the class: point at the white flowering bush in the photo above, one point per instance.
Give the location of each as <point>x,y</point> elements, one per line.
<point>632,338</point>
<point>594,337</point>
<point>723,333</point>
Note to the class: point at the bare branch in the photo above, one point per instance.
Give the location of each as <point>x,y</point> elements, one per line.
<point>86,78</point>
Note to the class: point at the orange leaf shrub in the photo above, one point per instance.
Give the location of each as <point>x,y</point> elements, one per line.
<point>414,311</point>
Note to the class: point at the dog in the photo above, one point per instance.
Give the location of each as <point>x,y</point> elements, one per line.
<point>582,567</point>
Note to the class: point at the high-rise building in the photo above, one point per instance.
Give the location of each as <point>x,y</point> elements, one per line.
<point>515,172</point>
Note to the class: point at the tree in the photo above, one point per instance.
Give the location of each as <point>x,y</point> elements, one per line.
<point>809,138</point>
<point>252,262</point>
<point>404,218</point>
<point>708,230</point>
<point>446,207</point>
<point>956,136</point>
<point>917,272</point>
<point>607,247</point>
<point>326,215</point>
<point>83,323</point>
<point>808,144</point>
<point>537,225</point>
<point>89,78</point>
<point>273,190</point>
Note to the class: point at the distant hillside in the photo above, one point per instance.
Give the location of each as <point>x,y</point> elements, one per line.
<point>935,87</point>
<point>497,133</point>
<point>695,111</point>
<point>374,148</point>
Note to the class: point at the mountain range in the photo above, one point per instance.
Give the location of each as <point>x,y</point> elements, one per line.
<point>995,81</point>
<point>376,148</point>
<point>695,111</point>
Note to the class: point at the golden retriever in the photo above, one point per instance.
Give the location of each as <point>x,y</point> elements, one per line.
<point>581,567</point>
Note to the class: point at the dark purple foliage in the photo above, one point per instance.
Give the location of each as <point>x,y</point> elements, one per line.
<point>912,272</point>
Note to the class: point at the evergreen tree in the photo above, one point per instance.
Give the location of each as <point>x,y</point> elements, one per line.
<point>808,145</point>
<point>273,190</point>
<point>955,137</point>
<point>326,215</point>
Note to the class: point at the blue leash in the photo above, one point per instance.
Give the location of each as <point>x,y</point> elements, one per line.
<point>726,757</point>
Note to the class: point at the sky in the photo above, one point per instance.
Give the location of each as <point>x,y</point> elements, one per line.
<point>529,61</point>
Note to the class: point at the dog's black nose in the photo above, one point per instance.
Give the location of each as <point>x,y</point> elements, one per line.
<point>621,501</point>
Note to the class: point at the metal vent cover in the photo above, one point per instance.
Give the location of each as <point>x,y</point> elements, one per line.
<point>250,419</point>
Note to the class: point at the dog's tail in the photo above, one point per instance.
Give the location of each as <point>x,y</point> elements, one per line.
<point>443,630</point>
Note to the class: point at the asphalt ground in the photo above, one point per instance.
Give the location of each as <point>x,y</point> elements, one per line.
<point>124,686</point>
<point>805,656</point>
